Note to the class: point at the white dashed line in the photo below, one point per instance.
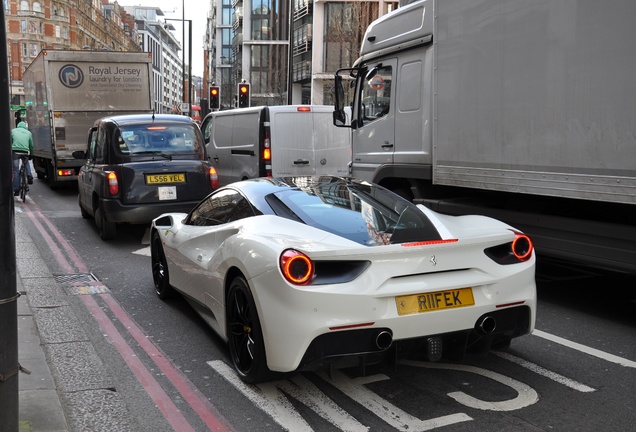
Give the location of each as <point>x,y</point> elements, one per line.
<point>591,351</point>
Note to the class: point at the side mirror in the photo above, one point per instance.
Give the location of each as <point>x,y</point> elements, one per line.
<point>339,116</point>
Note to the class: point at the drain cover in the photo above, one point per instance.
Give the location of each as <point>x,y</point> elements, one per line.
<point>81,284</point>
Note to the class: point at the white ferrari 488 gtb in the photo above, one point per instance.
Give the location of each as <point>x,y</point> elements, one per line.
<point>311,272</point>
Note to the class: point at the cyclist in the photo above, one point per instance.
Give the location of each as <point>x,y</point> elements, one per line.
<point>21,141</point>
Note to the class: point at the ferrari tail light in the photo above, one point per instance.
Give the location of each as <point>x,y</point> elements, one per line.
<point>113,183</point>
<point>214,178</point>
<point>522,247</point>
<point>519,250</point>
<point>297,267</point>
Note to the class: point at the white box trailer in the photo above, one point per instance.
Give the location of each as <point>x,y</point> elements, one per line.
<point>277,141</point>
<point>521,110</point>
<point>66,91</point>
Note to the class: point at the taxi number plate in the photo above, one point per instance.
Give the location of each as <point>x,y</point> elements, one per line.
<point>418,303</point>
<point>152,179</point>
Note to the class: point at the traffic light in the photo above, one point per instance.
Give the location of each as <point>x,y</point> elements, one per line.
<point>215,98</point>
<point>244,95</point>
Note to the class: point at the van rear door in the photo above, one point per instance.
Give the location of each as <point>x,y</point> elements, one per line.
<point>332,147</point>
<point>292,136</point>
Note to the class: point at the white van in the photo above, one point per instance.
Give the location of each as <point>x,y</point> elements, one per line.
<point>277,141</point>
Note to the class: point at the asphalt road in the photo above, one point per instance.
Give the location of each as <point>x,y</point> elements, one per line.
<point>576,372</point>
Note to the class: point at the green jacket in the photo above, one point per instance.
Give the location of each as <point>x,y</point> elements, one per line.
<point>21,139</point>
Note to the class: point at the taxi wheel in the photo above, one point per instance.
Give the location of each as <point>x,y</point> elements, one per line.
<point>160,275</point>
<point>84,213</point>
<point>107,230</point>
<point>245,336</point>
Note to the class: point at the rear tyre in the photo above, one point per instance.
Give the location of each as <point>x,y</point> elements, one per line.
<point>245,336</point>
<point>107,230</point>
<point>160,275</point>
<point>23,185</point>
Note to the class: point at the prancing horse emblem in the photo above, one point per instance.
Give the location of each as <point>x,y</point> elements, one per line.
<point>432,260</point>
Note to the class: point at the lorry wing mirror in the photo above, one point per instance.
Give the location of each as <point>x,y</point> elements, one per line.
<point>339,93</point>
<point>339,116</point>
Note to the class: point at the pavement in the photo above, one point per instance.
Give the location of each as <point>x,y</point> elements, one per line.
<point>68,388</point>
<point>39,400</point>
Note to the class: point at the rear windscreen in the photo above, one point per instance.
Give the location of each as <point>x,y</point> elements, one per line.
<point>157,138</point>
<point>371,216</point>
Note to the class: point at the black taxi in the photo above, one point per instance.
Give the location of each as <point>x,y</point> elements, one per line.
<point>140,166</point>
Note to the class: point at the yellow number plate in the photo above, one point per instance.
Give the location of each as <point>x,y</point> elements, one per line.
<point>417,303</point>
<point>152,179</point>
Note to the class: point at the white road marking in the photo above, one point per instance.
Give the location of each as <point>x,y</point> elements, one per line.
<point>546,373</point>
<point>273,398</point>
<point>145,251</point>
<point>526,395</point>
<point>399,419</point>
<point>588,350</point>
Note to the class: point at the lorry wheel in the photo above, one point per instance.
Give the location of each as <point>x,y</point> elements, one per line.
<point>107,230</point>
<point>50,175</point>
<point>40,175</point>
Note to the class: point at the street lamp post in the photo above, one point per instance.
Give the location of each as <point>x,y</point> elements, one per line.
<point>183,71</point>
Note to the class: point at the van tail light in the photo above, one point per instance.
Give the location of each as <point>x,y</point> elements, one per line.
<point>267,149</point>
<point>297,268</point>
<point>266,155</point>
<point>516,251</point>
<point>214,178</point>
<point>113,183</point>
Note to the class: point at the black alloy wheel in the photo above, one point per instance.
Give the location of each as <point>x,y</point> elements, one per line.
<point>160,274</point>
<point>245,336</point>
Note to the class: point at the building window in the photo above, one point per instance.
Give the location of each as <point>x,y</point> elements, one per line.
<point>37,7</point>
<point>24,5</point>
<point>34,50</point>
<point>345,24</point>
<point>24,50</point>
<point>6,5</point>
<point>23,26</point>
<point>58,31</point>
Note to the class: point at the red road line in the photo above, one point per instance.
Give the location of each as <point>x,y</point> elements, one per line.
<point>152,387</point>
<point>206,411</point>
<point>190,393</point>
<point>57,253</point>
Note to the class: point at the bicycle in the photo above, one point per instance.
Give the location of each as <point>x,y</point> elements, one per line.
<point>24,181</point>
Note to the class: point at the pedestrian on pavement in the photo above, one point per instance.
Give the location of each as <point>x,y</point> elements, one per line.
<point>21,141</point>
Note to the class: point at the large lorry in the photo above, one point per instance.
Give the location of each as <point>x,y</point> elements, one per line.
<point>520,110</point>
<point>66,91</point>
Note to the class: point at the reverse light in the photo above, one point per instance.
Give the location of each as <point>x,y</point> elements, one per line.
<point>113,183</point>
<point>297,267</point>
<point>214,178</point>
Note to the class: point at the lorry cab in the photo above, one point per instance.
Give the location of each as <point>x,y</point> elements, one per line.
<point>287,140</point>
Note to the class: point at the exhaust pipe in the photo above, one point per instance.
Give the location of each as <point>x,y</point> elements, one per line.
<point>487,325</point>
<point>383,340</point>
